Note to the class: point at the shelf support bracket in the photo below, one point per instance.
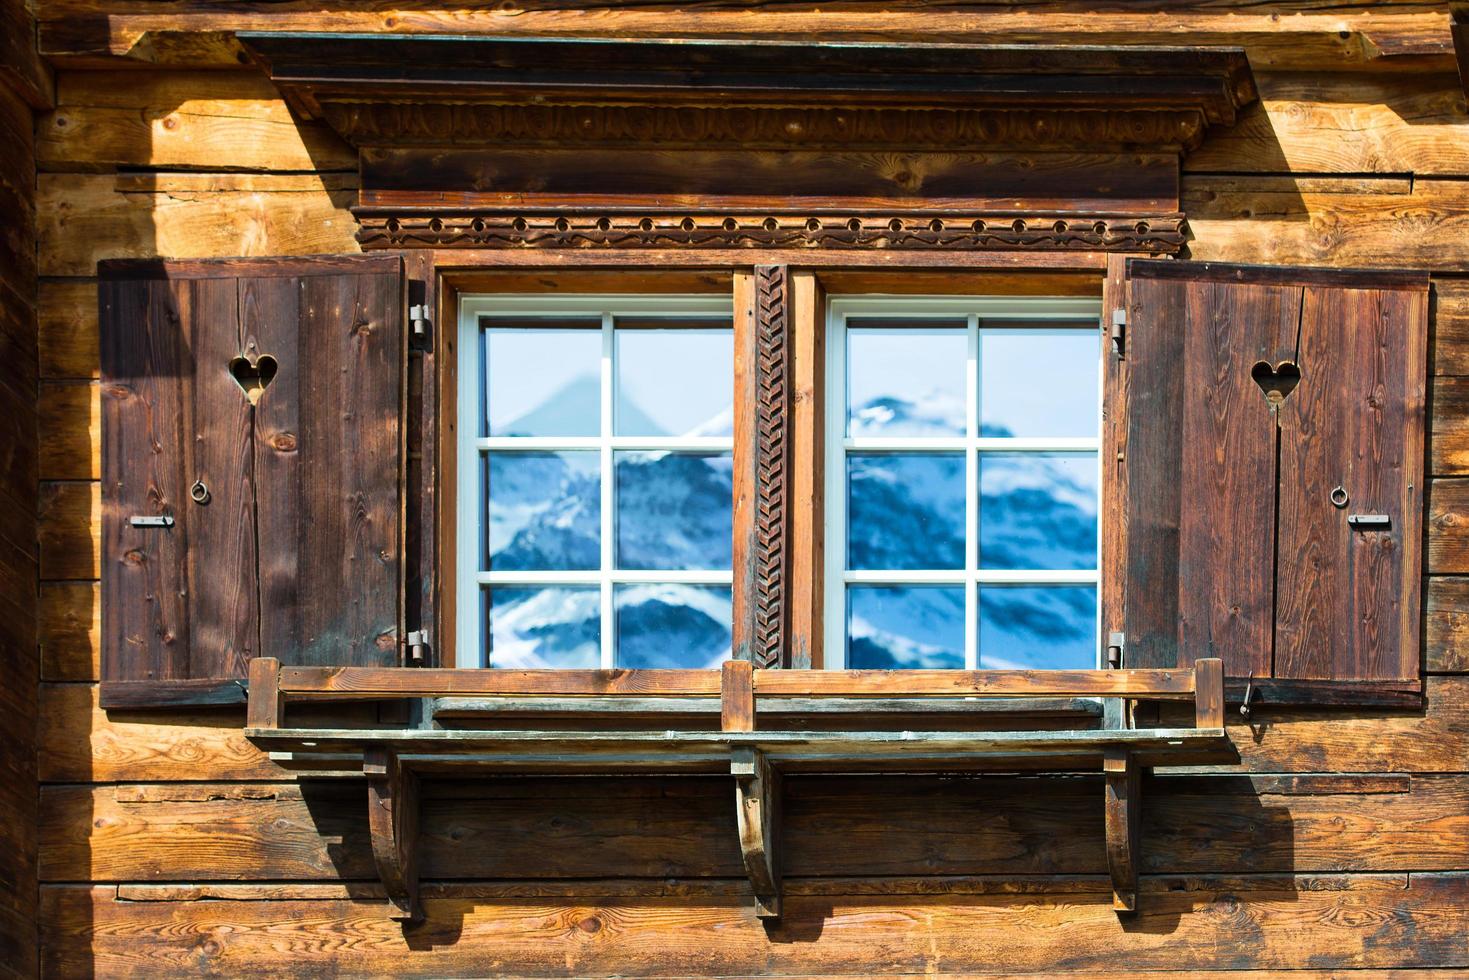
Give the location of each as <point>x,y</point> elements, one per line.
<point>757,793</point>
<point>1123,816</point>
<point>392,815</point>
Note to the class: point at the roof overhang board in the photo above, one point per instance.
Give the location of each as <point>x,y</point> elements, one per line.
<point>528,141</point>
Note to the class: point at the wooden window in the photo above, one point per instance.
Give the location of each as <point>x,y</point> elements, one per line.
<point>962,482</point>
<point>253,471</point>
<point>595,481</point>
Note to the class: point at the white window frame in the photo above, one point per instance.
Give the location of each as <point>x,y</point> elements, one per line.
<point>973,309</point>
<point>471,512</point>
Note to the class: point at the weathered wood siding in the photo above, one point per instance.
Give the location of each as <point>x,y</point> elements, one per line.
<point>170,846</point>
<point>23,85</point>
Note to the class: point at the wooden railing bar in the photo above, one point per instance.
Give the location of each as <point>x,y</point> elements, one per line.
<point>377,682</point>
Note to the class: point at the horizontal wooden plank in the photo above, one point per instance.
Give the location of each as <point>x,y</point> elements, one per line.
<point>619,828</point>
<point>1349,123</point>
<point>1450,326</point>
<point>86,744</point>
<point>1310,35</point>
<point>85,218</point>
<point>1446,624</point>
<point>70,616</point>
<point>1448,526</point>
<point>66,311</point>
<point>1355,222</point>
<point>342,682</point>
<point>69,416</point>
<point>217,120</point>
<point>70,530</point>
<point>1423,924</point>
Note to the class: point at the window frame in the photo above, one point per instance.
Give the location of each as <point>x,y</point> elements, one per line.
<point>469,519</point>
<point>837,445</point>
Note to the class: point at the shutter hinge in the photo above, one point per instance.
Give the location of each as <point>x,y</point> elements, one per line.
<point>417,648</point>
<point>419,319</point>
<point>1119,331</point>
<point>1115,644</point>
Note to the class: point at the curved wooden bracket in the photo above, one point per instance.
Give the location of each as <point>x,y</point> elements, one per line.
<point>757,793</point>
<point>392,814</point>
<point>1123,812</point>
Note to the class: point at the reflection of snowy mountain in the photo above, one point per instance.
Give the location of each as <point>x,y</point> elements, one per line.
<point>937,413</point>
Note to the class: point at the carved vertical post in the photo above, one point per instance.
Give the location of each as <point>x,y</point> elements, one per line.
<point>763,349</point>
<point>392,818</point>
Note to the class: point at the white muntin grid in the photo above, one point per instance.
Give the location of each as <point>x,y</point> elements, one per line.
<point>1014,312</point>
<point>474,447</point>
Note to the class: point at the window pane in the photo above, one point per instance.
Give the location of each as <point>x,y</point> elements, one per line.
<point>1053,626</point>
<point>906,380</point>
<point>890,627</point>
<point>1039,382</point>
<point>544,511</point>
<point>532,627</point>
<point>1038,511</point>
<point>672,625</point>
<point>905,510</point>
<point>674,510</point>
<point>543,376</point>
<point>676,382</point>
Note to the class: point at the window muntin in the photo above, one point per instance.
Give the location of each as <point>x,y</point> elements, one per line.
<point>596,459</point>
<point>962,482</point>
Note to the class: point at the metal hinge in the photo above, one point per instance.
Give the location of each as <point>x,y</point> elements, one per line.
<point>1119,331</point>
<point>417,647</point>
<point>1115,643</point>
<point>419,319</point>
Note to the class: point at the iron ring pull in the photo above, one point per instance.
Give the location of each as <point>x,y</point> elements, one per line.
<point>199,493</point>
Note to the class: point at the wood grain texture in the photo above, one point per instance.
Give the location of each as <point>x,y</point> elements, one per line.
<point>70,628</point>
<point>1449,313</point>
<point>85,218</point>
<point>683,828</point>
<point>1421,923</point>
<point>1310,35</point>
<point>69,420</point>
<point>224,120</point>
<point>1446,625</point>
<point>67,329</point>
<point>808,480</point>
<point>774,320</point>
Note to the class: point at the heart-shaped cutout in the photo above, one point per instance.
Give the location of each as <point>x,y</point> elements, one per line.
<point>255,376</point>
<point>1278,382</point>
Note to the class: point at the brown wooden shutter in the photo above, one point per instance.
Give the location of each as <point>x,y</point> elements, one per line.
<point>296,551</point>
<point>1235,547</point>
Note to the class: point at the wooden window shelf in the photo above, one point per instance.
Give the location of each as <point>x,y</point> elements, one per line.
<point>661,721</point>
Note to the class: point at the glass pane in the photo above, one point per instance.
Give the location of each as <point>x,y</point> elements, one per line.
<point>1038,511</point>
<point>543,376</point>
<point>1039,382</point>
<point>545,510</point>
<point>677,382</point>
<point>674,510</point>
<point>906,380</point>
<point>905,510</point>
<point>889,627</point>
<point>530,627</point>
<point>672,625</point>
<point>1051,626</point>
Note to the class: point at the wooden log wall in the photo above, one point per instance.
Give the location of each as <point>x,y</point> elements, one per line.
<point>168,846</point>
<point>24,86</point>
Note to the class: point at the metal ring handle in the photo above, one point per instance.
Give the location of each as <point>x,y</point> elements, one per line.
<point>199,492</point>
<point>1339,497</point>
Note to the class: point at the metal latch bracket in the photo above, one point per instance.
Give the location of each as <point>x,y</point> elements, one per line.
<point>140,520</point>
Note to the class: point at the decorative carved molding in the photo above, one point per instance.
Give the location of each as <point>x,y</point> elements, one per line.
<point>382,124</point>
<point>769,646</point>
<point>382,227</point>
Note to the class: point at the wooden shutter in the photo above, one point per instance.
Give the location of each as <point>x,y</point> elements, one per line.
<point>1252,394</point>
<point>295,552</point>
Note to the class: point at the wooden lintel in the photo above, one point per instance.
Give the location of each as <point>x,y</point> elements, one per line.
<point>757,798</point>
<point>392,813</point>
<point>1123,821</point>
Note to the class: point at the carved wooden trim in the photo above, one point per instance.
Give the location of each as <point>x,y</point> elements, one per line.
<point>382,124</point>
<point>757,794</point>
<point>392,815</point>
<point>1123,825</point>
<point>380,227</point>
<point>772,464</point>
